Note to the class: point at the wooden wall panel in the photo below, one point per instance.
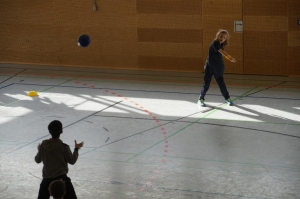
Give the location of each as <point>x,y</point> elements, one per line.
<point>169,21</point>
<point>128,34</point>
<point>219,8</point>
<point>27,12</point>
<point>36,57</point>
<point>265,23</point>
<point>102,47</point>
<point>169,33</point>
<point>110,6</point>
<point>170,63</point>
<point>165,35</point>
<point>266,53</point>
<point>107,61</point>
<point>182,7</point>
<point>265,7</point>
<point>103,19</point>
<point>47,32</point>
<point>293,53</point>
<point>80,8</point>
<point>265,67</point>
<point>20,38</point>
<point>293,8</point>
<point>294,38</point>
<point>152,34</point>
<point>293,68</point>
<point>265,39</point>
<point>170,49</point>
<point>293,22</point>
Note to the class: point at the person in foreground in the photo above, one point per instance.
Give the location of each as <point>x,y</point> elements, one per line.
<point>55,156</point>
<point>214,66</point>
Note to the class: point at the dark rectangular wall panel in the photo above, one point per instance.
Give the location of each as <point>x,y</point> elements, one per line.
<point>265,7</point>
<point>169,33</point>
<point>169,63</point>
<point>170,49</point>
<point>294,38</point>
<point>182,7</point>
<point>164,35</point>
<point>266,27</point>
<point>293,8</point>
<point>265,67</point>
<point>265,39</point>
<point>169,21</point>
<point>265,23</point>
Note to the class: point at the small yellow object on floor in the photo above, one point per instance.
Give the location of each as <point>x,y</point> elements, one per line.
<point>32,94</point>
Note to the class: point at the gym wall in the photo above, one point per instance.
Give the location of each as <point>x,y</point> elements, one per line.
<point>152,34</point>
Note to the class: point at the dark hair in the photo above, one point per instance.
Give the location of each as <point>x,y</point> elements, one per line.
<point>57,188</point>
<point>222,31</point>
<point>55,128</point>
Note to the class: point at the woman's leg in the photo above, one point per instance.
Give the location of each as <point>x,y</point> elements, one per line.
<point>206,83</point>
<point>222,86</point>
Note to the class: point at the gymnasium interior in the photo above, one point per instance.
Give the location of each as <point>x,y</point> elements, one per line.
<point>131,97</point>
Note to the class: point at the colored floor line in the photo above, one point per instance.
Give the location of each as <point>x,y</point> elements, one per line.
<point>153,91</point>
<point>180,130</point>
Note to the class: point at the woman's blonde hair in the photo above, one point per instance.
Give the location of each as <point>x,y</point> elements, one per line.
<point>221,31</point>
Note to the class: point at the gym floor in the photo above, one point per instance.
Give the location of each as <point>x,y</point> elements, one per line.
<point>145,136</point>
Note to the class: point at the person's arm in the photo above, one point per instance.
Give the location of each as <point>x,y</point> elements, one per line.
<point>227,56</point>
<point>38,157</point>
<point>72,157</point>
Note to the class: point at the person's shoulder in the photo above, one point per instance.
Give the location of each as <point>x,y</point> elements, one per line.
<point>216,42</point>
<point>212,43</point>
<point>65,145</point>
<point>45,141</point>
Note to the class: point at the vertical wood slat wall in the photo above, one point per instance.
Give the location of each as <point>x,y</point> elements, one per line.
<point>265,37</point>
<point>152,34</point>
<point>169,34</point>
<point>293,38</point>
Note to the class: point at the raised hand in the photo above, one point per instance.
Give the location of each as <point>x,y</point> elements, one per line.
<point>79,145</point>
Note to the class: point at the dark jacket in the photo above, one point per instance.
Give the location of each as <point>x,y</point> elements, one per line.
<point>215,59</point>
<point>55,156</point>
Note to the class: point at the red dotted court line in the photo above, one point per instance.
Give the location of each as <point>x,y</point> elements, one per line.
<point>164,133</point>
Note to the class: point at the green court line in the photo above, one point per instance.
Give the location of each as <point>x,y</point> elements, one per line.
<point>180,130</point>
<point>58,84</point>
<point>40,92</point>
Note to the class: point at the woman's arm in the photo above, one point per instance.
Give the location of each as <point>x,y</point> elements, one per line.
<point>227,56</point>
